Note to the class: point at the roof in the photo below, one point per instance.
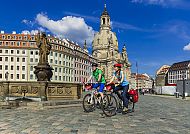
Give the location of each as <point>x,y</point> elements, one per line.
<point>105,12</point>
<point>163,69</point>
<point>180,66</point>
<point>140,76</point>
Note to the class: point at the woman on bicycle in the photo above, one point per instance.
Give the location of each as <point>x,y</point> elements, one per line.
<point>123,84</point>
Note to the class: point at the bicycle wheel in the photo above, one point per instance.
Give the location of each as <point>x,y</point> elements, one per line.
<point>88,103</point>
<point>120,106</point>
<point>109,105</point>
<point>131,105</point>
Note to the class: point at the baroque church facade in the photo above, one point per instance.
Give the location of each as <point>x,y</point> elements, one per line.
<point>105,48</point>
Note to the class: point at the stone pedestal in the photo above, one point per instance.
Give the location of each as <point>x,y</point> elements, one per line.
<point>43,72</point>
<point>60,91</point>
<point>40,91</point>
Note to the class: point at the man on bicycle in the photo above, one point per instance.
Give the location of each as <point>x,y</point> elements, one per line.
<point>99,77</point>
<point>123,84</point>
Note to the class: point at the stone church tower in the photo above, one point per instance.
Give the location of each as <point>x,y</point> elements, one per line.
<point>105,48</point>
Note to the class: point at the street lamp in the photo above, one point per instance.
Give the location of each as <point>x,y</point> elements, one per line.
<point>183,76</point>
<point>137,76</point>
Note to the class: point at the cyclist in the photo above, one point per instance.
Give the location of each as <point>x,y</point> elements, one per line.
<point>123,84</point>
<point>99,77</point>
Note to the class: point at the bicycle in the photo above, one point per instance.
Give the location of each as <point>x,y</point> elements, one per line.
<point>109,106</point>
<point>132,99</point>
<point>94,99</point>
<point>131,104</point>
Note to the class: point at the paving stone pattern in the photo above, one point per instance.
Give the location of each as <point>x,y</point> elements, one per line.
<point>153,115</point>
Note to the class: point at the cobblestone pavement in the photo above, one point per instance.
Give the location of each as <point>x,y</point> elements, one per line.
<point>153,115</point>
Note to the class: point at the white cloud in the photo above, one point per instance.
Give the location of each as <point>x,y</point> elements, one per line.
<point>125,26</point>
<point>187,47</point>
<point>25,21</point>
<point>154,2</point>
<point>114,24</point>
<point>184,4</point>
<point>33,32</point>
<point>179,29</point>
<point>28,22</point>
<point>73,28</point>
<point>41,29</point>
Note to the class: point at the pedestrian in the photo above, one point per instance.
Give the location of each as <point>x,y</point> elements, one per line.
<point>143,91</point>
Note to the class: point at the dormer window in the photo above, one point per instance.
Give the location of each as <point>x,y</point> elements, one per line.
<point>32,38</point>
<point>9,37</point>
<point>25,37</point>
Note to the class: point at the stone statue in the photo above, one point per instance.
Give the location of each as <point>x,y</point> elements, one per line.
<point>44,48</point>
<point>85,45</point>
<point>124,54</point>
<point>110,40</point>
<point>43,70</point>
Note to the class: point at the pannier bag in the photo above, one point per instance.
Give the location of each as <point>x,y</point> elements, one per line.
<point>134,95</point>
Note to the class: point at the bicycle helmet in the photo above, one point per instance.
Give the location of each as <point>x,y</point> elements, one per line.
<point>118,65</point>
<point>94,65</point>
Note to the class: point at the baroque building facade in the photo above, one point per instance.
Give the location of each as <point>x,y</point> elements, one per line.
<point>19,54</point>
<point>105,48</point>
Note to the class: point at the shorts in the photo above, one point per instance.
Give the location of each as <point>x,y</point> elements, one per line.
<point>100,85</point>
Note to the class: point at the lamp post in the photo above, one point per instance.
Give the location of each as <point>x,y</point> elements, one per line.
<point>137,76</point>
<point>183,76</point>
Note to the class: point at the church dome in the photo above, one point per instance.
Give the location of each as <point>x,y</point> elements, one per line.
<point>105,42</point>
<point>105,47</point>
<point>105,39</point>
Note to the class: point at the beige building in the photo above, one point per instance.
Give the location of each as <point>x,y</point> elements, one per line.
<point>19,54</point>
<point>162,76</point>
<point>141,81</point>
<point>105,47</point>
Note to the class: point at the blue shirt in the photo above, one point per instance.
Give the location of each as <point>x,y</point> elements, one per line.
<point>124,82</point>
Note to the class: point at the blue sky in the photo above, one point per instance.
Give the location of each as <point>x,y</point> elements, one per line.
<point>155,32</point>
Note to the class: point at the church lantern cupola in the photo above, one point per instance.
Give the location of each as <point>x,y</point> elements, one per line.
<point>105,20</point>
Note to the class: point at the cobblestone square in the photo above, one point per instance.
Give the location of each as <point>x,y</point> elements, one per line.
<point>153,115</point>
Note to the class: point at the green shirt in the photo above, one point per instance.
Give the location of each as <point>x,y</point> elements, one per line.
<point>96,73</point>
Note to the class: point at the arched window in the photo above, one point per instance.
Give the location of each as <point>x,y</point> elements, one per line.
<point>104,21</point>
